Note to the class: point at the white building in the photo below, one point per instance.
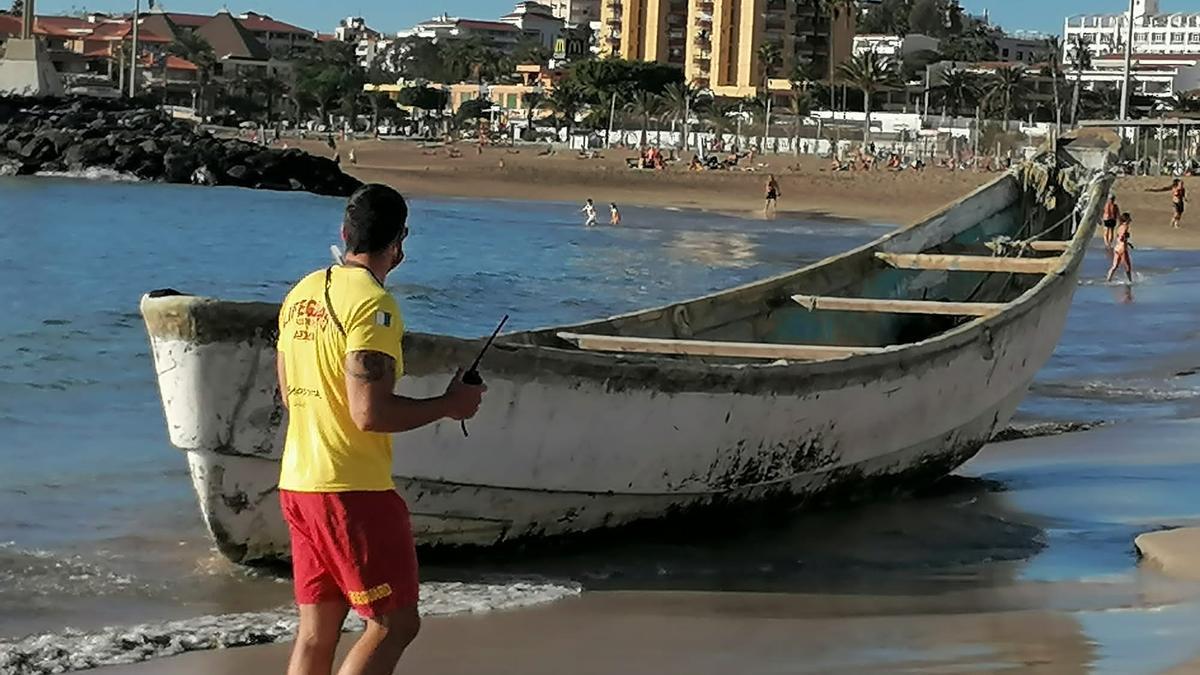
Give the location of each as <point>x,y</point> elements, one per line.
<point>499,34</point>
<point>894,46</point>
<point>1154,32</point>
<point>536,21</point>
<point>368,42</point>
<point>1155,75</point>
<point>1021,49</point>
<point>576,12</point>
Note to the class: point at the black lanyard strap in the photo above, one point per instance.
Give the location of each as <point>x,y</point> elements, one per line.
<point>329,302</point>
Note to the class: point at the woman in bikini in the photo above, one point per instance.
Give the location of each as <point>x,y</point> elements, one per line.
<point>1121,247</point>
<point>772,196</point>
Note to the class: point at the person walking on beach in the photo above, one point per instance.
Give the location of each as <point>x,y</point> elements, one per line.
<point>589,210</point>
<point>614,216</point>
<point>1111,213</point>
<point>1178,199</point>
<point>773,195</point>
<point>339,356</point>
<point>1121,247</point>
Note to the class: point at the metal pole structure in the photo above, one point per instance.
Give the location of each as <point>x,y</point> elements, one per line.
<point>1128,63</point>
<point>28,17</point>
<point>687,116</point>
<point>612,116</point>
<point>133,52</point>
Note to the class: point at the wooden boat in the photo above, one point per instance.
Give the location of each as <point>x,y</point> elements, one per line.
<point>879,369</point>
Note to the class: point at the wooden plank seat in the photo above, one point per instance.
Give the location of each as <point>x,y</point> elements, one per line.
<point>968,263</point>
<point>827,302</point>
<point>749,350</point>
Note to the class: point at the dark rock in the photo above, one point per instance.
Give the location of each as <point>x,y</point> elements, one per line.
<point>39,149</point>
<point>149,147</point>
<point>179,163</point>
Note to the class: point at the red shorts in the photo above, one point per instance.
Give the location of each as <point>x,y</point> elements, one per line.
<point>352,546</point>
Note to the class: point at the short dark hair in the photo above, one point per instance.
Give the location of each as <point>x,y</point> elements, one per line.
<point>375,217</point>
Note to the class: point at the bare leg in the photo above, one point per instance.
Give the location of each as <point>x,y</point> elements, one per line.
<point>1113,270</point>
<point>382,643</point>
<point>1108,237</point>
<point>317,638</point>
<point>1128,267</point>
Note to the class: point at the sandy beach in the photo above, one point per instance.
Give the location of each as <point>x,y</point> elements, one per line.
<point>972,580</point>
<point>809,189</point>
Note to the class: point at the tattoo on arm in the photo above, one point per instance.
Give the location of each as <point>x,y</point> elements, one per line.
<point>369,366</point>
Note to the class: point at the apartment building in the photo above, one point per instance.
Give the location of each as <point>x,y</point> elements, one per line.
<point>576,12</point>
<point>1154,31</point>
<point>717,42</point>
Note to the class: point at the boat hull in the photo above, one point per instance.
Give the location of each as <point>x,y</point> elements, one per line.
<point>570,442</point>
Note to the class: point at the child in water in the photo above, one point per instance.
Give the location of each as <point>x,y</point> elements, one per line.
<point>614,216</point>
<point>589,210</point>
<point>1121,248</point>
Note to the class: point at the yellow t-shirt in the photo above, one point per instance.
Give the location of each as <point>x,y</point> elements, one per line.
<point>325,451</point>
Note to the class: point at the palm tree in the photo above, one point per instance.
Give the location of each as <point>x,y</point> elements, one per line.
<point>195,48</point>
<point>566,101</point>
<point>1081,60</point>
<point>870,73</point>
<point>645,105</point>
<point>718,117</point>
<point>835,10</point>
<point>1005,88</point>
<point>800,105</point>
<point>770,56</point>
<point>532,101</point>
<point>1053,57</point>
<point>681,100</point>
<point>957,89</point>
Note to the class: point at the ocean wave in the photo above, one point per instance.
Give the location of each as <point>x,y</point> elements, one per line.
<point>94,173</point>
<point>1112,391</point>
<point>32,573</point>
<point>71,650</point>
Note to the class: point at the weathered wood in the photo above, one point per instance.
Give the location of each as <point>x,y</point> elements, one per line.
<point>749,350</point>
<point>1051,246</point>
<point>968,263</point>
<point>828,302</point>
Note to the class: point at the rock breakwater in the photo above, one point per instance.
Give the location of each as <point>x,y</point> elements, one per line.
<point>133,137</point>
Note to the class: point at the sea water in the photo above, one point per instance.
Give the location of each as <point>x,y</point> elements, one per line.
<point>98,525</point>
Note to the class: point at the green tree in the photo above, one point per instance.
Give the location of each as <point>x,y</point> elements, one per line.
<point>609,81</point>
<point>925,17</point>
<point>957,89</point>
<point>566,101</point>
<point>682,101</point>
<point>870,73</point>
<point>531,50</point>
<point>800,105</point>
<point>194,48</point>
<point>18,8</point>
<point>889,17</point>
<point>331,77</point>
<point>533,100</point>
<point>424,98</point>
<point>975,42</point>
<point>1053,58</point>
<point>471,111</point>
<point>1081,60</point>
<point>1006,89</point>
<point>645,106</point>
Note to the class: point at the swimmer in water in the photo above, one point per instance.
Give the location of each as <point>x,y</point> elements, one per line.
<point>589,210</point>
<point>1121,247</point>
<point>614,216</point>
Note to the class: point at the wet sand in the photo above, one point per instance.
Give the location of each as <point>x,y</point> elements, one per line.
<point>809,190</point>
<point>1024,564</point>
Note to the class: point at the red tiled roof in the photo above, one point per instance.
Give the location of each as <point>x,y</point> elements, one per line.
<point>1149,57</point>
<point>124,31</point>
<point>173,63</point>
<point>9,25</point>
<point>261,23</point>
<point>62,26</point>
<point>326,37</point>
<point>486,25</point>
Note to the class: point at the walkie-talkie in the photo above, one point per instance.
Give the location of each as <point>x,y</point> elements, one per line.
<point>472,376</point>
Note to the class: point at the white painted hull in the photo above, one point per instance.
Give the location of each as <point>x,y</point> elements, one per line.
<point>569,442</point>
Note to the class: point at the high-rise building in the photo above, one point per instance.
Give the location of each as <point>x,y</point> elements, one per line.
<point>1153,31</point>
<point>717,42</point>
<point>576,12</point>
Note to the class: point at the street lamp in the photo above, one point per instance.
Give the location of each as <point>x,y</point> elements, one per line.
<point>133,53</point>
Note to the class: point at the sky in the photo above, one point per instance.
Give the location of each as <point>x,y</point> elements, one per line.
<point>392,15</point>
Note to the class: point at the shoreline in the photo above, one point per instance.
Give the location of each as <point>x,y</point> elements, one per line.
<point>809,190</point>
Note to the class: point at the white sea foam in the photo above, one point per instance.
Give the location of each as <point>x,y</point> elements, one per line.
<point>94,173</point>
<point>71,650</point>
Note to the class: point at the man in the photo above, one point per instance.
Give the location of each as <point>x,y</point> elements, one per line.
<point>339,358</point>
<point>589,211</point>
<point>1178,198</point>
<point>1111,212</point>
<point>773,196</point>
